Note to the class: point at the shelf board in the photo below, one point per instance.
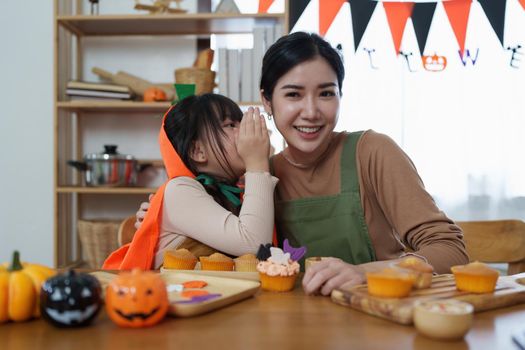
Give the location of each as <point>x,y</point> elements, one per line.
<point>114,106</point>
<point>123,106</point>
<point>166,24</point>
<point>105,190</point>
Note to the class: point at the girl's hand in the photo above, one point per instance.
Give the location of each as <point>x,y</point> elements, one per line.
<point>331,273</point>
<point>253,141</point>
<point>141,213</point>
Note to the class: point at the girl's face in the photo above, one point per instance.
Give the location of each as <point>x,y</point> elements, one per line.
<point>216,164</point>
<point>305,104</point>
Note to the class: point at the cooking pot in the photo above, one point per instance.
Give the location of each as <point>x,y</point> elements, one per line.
<point>109,168</point>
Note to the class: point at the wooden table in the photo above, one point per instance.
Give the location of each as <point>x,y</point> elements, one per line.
<point>271,321</point>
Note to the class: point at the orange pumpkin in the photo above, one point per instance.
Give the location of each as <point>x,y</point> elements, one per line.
<point>154,94</point>
<point>137,299</point>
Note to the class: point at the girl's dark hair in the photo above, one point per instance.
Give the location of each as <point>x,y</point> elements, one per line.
<point>293,49</point>
<point>200,117</point>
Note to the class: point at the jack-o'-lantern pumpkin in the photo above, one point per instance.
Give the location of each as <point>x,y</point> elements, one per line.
<point>137,299</point>
<point>154,94</point>
<point>434,63</point>
<point>71,299</point>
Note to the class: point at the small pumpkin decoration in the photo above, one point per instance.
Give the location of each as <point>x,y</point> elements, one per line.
<point>70,299</point>
<point>154,94</point>
<point>137,299</point>
<point>19,289</point>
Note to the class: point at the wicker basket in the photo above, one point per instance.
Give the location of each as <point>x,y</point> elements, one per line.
<point>204,79</point>
<point>98,240</point>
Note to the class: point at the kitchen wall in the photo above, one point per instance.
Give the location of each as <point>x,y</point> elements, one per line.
<point>26,129</point>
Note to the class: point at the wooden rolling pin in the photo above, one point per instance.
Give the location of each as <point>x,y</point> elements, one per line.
<point>136,84</point>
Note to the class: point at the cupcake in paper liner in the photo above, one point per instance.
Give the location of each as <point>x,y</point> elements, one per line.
<point>279,271</point>
<point>246,263</point>
<point>216,262</point>
<point>180,259</point>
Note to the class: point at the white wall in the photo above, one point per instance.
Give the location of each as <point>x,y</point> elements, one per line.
<point>26,129</point>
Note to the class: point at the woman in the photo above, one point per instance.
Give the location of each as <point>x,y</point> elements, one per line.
<point>357,196</point>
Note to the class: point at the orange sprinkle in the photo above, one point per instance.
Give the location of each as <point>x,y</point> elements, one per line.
<point>193,293</point>
<point>195,284</point>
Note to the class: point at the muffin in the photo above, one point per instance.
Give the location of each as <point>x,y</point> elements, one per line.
<point>475,277</point>
<point>180,259</point>
<point>246,263</point>
<point>390,283</point>
<point>216,262</point>
<point>421,270</point>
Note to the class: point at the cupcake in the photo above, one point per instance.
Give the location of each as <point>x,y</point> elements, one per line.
<point>216,262</point>
<point>180,259</point>
<point>246,263</point>
<point>390,283</point>
<point>421,270</point>
<point>279,271</point>
<point>475,277</point>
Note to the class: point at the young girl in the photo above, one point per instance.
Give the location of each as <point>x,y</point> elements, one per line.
<point>207,145</point>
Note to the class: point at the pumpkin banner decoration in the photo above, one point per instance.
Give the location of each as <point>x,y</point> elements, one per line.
<point>19,289</point>
<point>71,299</point>
<point>137,299</point>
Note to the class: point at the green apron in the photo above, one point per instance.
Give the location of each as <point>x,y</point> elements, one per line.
<point>330,225</point>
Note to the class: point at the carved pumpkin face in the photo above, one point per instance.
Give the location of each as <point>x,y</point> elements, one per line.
<point>434,63</point>
<point>137,299</point>
<point>154,94</point>
<point>70,299</point>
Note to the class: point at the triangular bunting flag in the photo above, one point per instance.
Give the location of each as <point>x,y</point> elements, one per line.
<point>421,19</point>
<point>522,2</point>
<point>264,5</point>
<point>457,13</point>
<point>361,11</point>
<point>328,9</point>
<point>495,11</point>
<point>296,10</point>
<point>397,14</point>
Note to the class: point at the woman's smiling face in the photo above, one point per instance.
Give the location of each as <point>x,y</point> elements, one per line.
<point>305,104</point>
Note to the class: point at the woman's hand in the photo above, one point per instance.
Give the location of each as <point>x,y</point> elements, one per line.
<point>331,273</point>
<point>141,213</point>
<point>253,141</point>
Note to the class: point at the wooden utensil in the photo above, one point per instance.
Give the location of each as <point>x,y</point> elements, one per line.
<point>510,290</point>
<point>136,84</point>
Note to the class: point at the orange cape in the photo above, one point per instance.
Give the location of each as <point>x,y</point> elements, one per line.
<point>141,251</point>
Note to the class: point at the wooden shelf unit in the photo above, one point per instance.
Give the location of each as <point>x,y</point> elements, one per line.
<point>71,27</point>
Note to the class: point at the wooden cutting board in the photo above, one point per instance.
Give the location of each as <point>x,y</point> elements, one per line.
<point>510,290</point>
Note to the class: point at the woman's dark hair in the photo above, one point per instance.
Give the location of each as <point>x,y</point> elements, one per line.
<point>293,49</point>
<point>200,117</point>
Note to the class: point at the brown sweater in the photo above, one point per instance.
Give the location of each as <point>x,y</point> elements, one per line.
<point>400,214</point>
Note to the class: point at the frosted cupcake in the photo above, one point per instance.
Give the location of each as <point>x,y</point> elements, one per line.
<point>279,271</point>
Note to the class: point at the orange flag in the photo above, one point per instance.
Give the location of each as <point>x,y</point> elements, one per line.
<point>328,9</point>
<point>264,5</point>
<point>458,12</point>
<point>397,14</point>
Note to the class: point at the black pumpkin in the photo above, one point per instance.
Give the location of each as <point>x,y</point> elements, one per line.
<point>70,299</point>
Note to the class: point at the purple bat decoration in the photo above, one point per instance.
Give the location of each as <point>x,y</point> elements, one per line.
<point>199,299</point>
<point>295,253</point>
